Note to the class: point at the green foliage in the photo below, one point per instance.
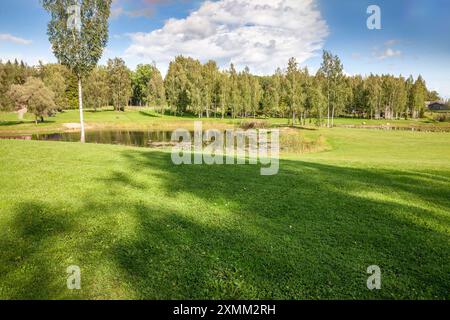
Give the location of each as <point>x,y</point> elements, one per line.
<point>176,86</point>
<point>140,82</point>
<point>79,51</point>
<point>119,80</point>
<point>293,89</point>
<point>433,96</point>
<point>204,90</point>
<point>156,94</point>
<point>55,78</point>
<point>12,73</point>
<point>34,96</point>
<point>72,91</point>
<point>211,83</point>
<point>332,71</point>
<point>418,97</point>
<point>96,89</point>
<point>316,102</point>
<point>271,98</point>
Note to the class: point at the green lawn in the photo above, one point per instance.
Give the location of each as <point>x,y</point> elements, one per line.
<point>142,118</point>
<point>135,119</point>
<point>140,227</point>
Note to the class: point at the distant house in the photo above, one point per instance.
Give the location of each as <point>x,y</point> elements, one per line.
<point>437,106</point>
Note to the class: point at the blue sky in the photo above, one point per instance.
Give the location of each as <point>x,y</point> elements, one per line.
<point>414,38</point>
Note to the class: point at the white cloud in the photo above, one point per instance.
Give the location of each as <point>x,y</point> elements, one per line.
<point>391,42</point>
<point>31,60</point>
<point>10,38</point>
<point>116,12</point>
<point>260,34</point>
<point>389,53</point>
<point>144,10</point>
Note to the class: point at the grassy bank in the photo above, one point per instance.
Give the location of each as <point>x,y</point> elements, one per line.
<point>140,227</point>
<point>145,119</point>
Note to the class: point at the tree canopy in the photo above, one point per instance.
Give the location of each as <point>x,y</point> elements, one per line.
<point>207,91</point>
<point>79,50</point>
<point>34,96</point>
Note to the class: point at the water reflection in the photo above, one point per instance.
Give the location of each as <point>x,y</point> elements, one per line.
<point>121,137</point>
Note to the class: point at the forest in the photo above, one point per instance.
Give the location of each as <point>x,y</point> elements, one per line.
<point>205,90</point>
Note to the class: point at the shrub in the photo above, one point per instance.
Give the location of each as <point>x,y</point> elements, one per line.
<point>294,142</point>
<point>442,117</point>
<point>247,125</point>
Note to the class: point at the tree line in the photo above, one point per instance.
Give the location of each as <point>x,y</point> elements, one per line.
<point>207,91</point>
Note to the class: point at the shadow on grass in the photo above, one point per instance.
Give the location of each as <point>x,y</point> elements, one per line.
<point>226,232</point>
<point>15,123</point>
<point>28,260</point>
<point>148,114</point>
<point>305,233</point>
<point>12,123</point>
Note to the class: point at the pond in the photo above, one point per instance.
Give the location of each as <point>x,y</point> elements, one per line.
<point>119,137</point>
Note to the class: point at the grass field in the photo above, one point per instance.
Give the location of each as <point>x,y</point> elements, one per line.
<point>141,118</point>
<point>140,227</point>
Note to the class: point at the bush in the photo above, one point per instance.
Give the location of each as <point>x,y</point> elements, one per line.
<point>247,125</point>
<point>443,117</point>
<point>292,142</point>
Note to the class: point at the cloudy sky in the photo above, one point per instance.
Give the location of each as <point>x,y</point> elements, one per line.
<point>260,34</point>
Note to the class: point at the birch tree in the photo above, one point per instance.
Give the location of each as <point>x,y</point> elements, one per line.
<point>78,32</point>
<point>332,71</point>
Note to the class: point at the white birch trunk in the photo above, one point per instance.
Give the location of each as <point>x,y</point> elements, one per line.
<point>80,103</point>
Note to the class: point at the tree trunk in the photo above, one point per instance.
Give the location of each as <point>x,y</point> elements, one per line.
<point>332,117</point>
<point>293,118</point>
<point>328,101</point>
<point>80,103</point>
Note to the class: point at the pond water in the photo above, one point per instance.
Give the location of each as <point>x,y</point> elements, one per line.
<point>150,139</point>
<point>120,137</point>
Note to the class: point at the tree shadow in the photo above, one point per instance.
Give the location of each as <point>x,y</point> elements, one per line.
<point>297,127</point>
<point>228,233</point>
<point>19,122</point>
<point>305,233</point>
<point>148,114</point>
<point>12,123</point>
<point>27,254</point>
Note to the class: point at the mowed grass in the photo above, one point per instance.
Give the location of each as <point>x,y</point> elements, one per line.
<point>132,119</point>
<point>140,227</point>
<point>148,119</point>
